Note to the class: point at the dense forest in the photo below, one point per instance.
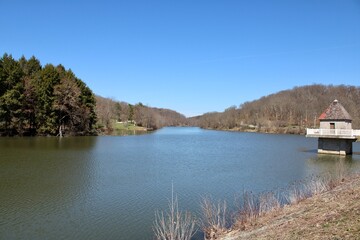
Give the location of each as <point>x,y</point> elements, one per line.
<point>290,111</point>
<point>37,100</point>
<point>109,110</point>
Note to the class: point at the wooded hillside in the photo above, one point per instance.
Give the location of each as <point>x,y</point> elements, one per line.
<point>50,100</point>
<point>37,100</point>
<point>109,110</point>
<point>289,111</point>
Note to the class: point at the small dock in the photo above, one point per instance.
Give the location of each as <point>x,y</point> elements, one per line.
<point>335,135</point>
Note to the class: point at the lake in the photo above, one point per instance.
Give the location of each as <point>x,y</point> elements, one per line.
<point>109,187</point>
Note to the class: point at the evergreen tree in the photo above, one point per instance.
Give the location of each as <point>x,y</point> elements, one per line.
<point>89,103</point>
<point>10,94</point>
<point>46,115</point>
<point>131,113</point>
<point>40,100</point>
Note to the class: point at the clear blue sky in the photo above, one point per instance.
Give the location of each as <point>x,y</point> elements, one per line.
<point>193,56</point>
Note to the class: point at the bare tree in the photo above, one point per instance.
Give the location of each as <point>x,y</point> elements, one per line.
<point>286,111</point>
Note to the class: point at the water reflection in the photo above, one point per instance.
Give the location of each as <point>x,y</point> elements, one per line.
<point>41,179</point>
<point>324,163</point>
<point>106,187</point>
<point>129,132</point>
<point>47,143</point>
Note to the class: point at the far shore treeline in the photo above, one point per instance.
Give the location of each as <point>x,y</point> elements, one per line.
<point>51,101</point>
<point>288,111</point>
<point>110,111</point>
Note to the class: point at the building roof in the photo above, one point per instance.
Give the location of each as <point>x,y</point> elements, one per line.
<point>335,111</point>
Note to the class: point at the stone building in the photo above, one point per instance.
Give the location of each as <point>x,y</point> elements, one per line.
<point>335,117</point>
<point>335,133</point>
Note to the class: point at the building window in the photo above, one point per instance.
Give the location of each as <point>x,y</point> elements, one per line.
<point>332,125</point>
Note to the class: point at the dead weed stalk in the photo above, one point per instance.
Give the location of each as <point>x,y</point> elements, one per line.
<point>214,218</point>
<point>174,224</point>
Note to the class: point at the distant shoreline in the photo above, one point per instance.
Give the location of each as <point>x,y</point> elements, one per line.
<point>289,130</point>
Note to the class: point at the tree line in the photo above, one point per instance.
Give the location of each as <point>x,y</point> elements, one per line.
<point>109,110</point>
<point>51,100</point>
<point>289,111</point>
<point>37,100</point>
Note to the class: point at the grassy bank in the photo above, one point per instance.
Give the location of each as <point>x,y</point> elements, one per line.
<point>332,214</point>
<point>318,207</point>
<point>127,126</point>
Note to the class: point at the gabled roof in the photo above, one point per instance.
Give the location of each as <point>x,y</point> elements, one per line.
<point>335,111</point>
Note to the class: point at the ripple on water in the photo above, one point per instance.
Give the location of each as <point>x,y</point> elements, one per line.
<point>106,187</point>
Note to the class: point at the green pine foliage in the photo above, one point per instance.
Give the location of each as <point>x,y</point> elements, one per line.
<point>50,100</point>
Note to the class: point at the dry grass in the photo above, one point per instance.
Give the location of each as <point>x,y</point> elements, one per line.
<point>268,203</point>
<point>248,208</point>
<point>320,207</point>
<point>333,214</point>
<point>341,171</point>
<point>252,206</point>
<point>174,224</point>
<point>311,186</point>
<point>214,218</point>
<point>316,184</point>
<point>294,211</point>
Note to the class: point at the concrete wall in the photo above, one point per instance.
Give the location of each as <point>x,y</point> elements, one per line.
<point>335,146</point>
<point>325,124</point>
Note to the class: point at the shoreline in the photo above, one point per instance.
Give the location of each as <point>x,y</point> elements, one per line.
<point>278,131</point>
<point>332,214</point>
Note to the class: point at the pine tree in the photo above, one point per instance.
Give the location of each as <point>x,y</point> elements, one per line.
<point>43,100</point>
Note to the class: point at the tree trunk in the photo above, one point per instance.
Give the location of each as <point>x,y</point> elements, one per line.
<point>60,132</point>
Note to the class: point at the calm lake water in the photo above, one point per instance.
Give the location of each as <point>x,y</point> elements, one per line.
<point>110,187</point>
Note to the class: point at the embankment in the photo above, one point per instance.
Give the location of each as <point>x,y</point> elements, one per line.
<point>334,214</point>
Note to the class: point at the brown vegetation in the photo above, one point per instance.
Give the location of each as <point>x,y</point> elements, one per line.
<point>333,214</point>
<point>214,218</point>
<point>269,215</point>
<point>174,224</point>
<point>290,111</point>
<point>319,207</point>
<point>303,211</point>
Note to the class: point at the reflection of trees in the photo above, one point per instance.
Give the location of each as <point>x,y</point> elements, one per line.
<point>40,172</point>
<point>324,163</point>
